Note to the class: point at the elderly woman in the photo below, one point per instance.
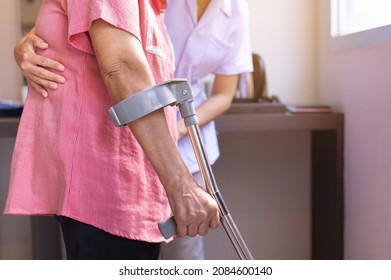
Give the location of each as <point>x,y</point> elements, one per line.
<point>107,186</point>
<point>210,37</point>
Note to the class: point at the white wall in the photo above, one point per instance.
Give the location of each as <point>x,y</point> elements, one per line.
<point>284,34</point>
<point>10,32</point>
<point>358,82</point>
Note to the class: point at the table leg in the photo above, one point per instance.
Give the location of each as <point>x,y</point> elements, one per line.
<point>327,194</point>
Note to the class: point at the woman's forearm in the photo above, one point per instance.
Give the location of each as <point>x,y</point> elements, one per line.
<point>120,56</point>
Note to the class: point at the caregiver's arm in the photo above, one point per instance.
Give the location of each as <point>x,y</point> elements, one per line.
<point>37,69</point>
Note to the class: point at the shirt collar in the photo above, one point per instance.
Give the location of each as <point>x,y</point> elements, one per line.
<point>159,5</point>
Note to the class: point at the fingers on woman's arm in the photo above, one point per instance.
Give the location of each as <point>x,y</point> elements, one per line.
<point>43,80</point>
<point>40,89</point>
<point>40,78</point>
<point>37,69</point>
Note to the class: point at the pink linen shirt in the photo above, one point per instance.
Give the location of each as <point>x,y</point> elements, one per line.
<point>69,158</point>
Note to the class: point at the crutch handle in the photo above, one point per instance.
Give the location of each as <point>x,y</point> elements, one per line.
<point>167,227</point>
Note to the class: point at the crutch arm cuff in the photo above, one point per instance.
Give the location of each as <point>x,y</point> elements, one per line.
<point>142,103</point>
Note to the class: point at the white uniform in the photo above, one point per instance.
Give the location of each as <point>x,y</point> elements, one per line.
<point>218,44</point>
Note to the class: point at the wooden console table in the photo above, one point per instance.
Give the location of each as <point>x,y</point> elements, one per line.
<point>327,189</point>
<point>327,193</point>
<point>8,126</point>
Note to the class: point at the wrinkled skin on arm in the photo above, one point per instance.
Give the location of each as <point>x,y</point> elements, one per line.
<point>120,55</point>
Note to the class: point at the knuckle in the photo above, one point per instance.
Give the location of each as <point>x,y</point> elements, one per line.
<point>23,66</point>
<point>192,234</point>
<point>25,56</point>
<point>181,233</point>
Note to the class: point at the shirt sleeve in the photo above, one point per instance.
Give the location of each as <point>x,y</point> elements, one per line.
<point>123,14</point>
<point>239,59</point>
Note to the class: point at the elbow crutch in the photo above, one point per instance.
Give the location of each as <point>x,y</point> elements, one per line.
<point>177,92</point>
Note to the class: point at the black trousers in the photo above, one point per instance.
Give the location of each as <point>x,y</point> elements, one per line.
<point>85,242</point>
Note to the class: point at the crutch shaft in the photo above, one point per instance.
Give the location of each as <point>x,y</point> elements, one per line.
<point>178,92</point>
<point>211,186</point>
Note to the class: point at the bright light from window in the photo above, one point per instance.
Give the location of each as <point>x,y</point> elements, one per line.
<point>352,16</point>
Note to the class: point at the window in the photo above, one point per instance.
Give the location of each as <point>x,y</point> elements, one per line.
<point>360,22</point>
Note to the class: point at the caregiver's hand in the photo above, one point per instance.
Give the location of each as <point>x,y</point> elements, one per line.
<point>37,69</point>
